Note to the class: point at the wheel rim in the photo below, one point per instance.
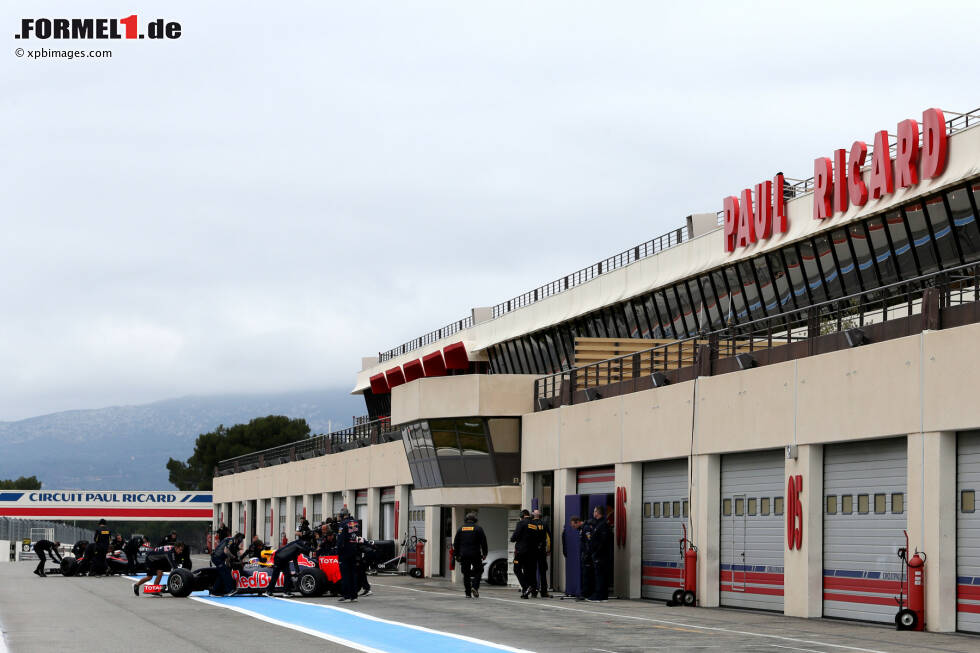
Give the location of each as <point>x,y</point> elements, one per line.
<point>307,583</point>
<point>907,618</point>
<point>176,582</point>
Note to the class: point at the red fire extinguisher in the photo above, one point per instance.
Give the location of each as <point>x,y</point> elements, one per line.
<point>452,559</point>
<point>912,616</point>
<point>687,594</point>
<point>420,557</point>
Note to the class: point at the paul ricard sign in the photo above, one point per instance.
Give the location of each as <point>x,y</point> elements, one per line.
<point>132,505</point>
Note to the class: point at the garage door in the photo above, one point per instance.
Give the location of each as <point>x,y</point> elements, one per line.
<point>752,529</point>
<point>967,532</point>
<point>665,511</point>
<point>281,514</point>
<point>338,503</point>
<point>317,509</point>
<point>387,525</point>
<point>864,520</point>
<point>597,480</point>
<point>360,505</point>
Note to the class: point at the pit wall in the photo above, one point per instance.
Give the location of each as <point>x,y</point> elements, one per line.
<point>919,387</point>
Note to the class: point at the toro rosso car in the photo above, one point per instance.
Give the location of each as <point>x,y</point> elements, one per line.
<point>117,562</point>
<point>312,577</point>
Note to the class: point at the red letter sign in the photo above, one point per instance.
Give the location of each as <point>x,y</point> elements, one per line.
<point>746,230</point>
<point>822,173</point>
<point>840,181</point>
<point>881,168</point>
<point>794,512</point>
<point>907,153</point>
<point>731,222</point>
<point>933,143</point>
<point>856,187</point>
<point>762,214</point>
<point>779,205</point>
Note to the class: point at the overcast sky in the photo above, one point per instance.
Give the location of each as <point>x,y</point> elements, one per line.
<point>258,204</point>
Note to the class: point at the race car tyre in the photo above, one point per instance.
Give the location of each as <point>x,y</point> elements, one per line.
<point>180,583</point>
<point>415,573</point>
<point>497,575</point>
<point>312,582</point>
<point>69,566</point>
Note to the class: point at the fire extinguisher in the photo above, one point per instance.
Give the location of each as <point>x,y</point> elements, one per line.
<point>911,616</point>
<point>452,559</point>
<point>420,557</point>
<point>687,594</point>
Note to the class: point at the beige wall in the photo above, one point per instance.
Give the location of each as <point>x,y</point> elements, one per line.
<point>468,395</point>
<point>381,465</point>
<point>886,389</point>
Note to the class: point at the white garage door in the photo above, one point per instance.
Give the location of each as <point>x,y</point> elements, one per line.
<point>665,511</point>
<point>338,502</point>
<point>317,510</point>
<point>752,529</point>
<point>387,525</point>
<point>360,505</point>
<point>967,532</point>
<point>864,520</point>
<point>596,480</point>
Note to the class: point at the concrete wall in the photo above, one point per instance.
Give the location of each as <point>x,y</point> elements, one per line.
<point>469,395</point>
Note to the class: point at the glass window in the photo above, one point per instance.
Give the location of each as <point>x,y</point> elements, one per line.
<point>684,508</point>
<point>863,505</point>
<point>620,318</point>
<point>684,322</point>
<point>828,266</point>
<point>862,252</point>
<point>711,305</point>
<point>882,251</point>
<point>881,504</point>
<point>964,222</point>
<point>751,506</point>
<point>445,443</point>
<point>764,506</point>
<point>811,270</point>
<point>666,508</point>
<point>505,434</point>
<point>631,325</point>
<point>676,508</point>
<point>898,503</point>
<point>698,308</point>
<point>795,275</point>
<point>668,307</point>
<point>739,506</point>
<point>751,291</point>
<point>643,328</point>
<point>921,238</point>
<point>968,501</point>
<point>647,510</point>
<point>766,285</point>
<point>515,362</point>
<point>848,269</point>
<point>949,256</point>
<point>653,303</point>
<point>777,506</point>
<point>656,509</point>
<point>726,507</point>
<point>846,504</point>
<point>472,438</point>
<point>831,505</point>
<point>784,293</point>
<point>738,309</point>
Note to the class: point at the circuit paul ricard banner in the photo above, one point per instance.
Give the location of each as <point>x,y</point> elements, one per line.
<point>130,505</point>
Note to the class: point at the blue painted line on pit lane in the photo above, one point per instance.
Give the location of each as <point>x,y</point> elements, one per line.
<point>353,628</point>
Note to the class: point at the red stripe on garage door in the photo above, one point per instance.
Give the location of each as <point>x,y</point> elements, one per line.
<point>749,589</point>
<point>971,592</point>
<point>854,598</point>
<point>861,584</point>
<point>972,608</point>
<point>754,577</point>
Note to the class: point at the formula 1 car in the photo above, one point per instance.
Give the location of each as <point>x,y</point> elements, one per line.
<point>117,562</point>
<point>313,577</point>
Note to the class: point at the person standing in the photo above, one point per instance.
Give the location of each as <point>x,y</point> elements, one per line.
<point>470,549</point>
<point>347,554</point>
<point>540,570</point>
<point>132,550</point>
<point>525,539</point>
<point>43,549</point>
<point>224,555</point>
<point>101,539</point>
<point>159,560</point>
<point>586,568</point>
<point>170,539</point>
<point>601,548</point>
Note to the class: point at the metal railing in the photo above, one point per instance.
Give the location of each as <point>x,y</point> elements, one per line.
<point>362,434</point>
<point>794,188</point>
<point>957,286</point>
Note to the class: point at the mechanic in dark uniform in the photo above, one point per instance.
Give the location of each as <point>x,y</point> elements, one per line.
<point>169,539</point>
<point>224,555</point>
<point>132,550</point>
<point>117,543</point>
<point>159,560</point>
<point>282,560</point>
<point>254,549</point>
<point>601,549</point>
<point>540,570</point>
<point>586,568</point>
<point>43,549</point>
<point>327,544</point>
<point>347,554</point>
<point>470,549</point>
<point>525,539</point>
<point>102,538</point>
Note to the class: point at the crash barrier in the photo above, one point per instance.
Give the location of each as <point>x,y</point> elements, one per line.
<point>15,531</point>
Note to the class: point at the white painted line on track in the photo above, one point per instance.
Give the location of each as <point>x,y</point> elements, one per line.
<point>794,648</point>
<point>539,604</point>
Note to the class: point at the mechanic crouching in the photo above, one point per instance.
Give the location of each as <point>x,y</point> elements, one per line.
<point>44,548</point>
<point>226,554</point>
<point>283,559</point>
<point>159,560</point>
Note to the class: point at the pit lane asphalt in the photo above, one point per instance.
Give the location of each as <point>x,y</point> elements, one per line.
<point>101,614</point>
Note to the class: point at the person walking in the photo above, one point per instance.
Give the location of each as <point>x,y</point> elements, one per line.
<point>525,539</point>
<point>540,570</point>
<point>470,550</point>
<point>43,549</point>
<point>601,549</point>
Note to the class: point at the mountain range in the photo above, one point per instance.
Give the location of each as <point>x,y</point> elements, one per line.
<point>127,447</point>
